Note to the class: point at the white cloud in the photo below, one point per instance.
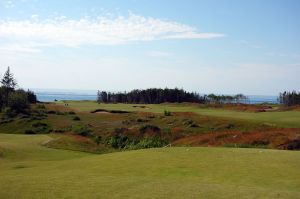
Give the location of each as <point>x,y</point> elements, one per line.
<point>101,31</point>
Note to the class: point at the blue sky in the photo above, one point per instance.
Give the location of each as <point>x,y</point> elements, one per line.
<point>219,46</point>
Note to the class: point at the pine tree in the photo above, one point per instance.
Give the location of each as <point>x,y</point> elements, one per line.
<point>8,81</point>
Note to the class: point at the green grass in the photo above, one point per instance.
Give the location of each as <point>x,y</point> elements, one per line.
<point>29,170</point>
<point>290,119</point>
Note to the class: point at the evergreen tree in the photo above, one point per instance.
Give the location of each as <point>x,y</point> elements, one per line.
<point>99,98</point>
<point>8,81</point>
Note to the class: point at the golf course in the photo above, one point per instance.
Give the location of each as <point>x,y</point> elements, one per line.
<point>29,170</point>
<point>54,161</point>
<point>136,99</point>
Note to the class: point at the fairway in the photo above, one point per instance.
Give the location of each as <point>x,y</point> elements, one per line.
<point>29,170</point>
<point>290,119</point>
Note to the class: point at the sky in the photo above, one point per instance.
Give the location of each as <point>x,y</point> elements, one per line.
<point>207,46</point>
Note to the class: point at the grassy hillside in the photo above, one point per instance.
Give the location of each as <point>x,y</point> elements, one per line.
<point>29,170</point>
<point>279,118</point>
<point>145,126</point>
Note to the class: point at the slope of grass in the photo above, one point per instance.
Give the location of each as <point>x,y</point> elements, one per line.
<point>28,170</point>
<point>290,119</point>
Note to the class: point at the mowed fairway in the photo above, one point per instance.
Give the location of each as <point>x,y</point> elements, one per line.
<point>289,119</point>
<point>29,170</point>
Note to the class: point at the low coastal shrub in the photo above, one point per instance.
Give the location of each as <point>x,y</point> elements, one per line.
<point>82,130</point>
<point>167,113</point>
<point>29,132</point>
<point>150,143</point>
<point>97,139</point>
<point>76,118</point>
<point>40,127</point>
<point>149,127</point>
<point>118,141</point>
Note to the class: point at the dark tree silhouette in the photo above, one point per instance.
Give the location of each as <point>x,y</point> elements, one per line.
<point>8,81</point>
<point>289,98</point>
<point>12,99</point>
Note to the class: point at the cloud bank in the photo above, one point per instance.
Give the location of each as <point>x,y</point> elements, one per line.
<point>100,31</point>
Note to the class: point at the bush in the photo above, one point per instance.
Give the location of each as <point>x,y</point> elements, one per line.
<point>147,143</point>
<point>39,124</point>
<point>6,120</point>
<point>118,141</point>
<point>119,131</point>
<point>18,101</point>
<point>167,113</point>
<point>76,118</point>
<point>8,112</point>
<point>126,122</point>
<point>194,125</point>
<point>149,127</point>
<point>190,123</point>
<point>31,97</point>
<point>40,127</point>
<point>63,129</point>
<point>51,112</point>
<point>97,139</point>
<point>151,143</point>
<point>72,113</point>
<point>29,132</point>
<point>230,126</point>
<point>82,130</point>
<point>60,113</point>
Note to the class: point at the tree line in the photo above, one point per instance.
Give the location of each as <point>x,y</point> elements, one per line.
<point>225,99</point>
<point>150,96</point>
<point>158,95</point>
<point>289,98</point>
<point>13,99</point>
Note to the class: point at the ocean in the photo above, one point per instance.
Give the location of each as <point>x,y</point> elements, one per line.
<point>52,95</point>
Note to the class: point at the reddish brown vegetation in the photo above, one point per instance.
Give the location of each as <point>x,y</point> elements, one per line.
<point>181,128</point>
<point>241,107</point>
<point>281,138</point>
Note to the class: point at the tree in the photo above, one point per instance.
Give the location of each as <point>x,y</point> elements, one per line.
<point>2,99</point>
<point>104,97</point>
<point>289,98</point>
<point>8,81</point>
<point>31,97</point>
<point>99,99</point>
<point>18,101</point>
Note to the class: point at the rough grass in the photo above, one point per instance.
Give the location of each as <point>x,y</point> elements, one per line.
<point>180,128</point>
<point>29,170</point>
<point>277,118</point>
